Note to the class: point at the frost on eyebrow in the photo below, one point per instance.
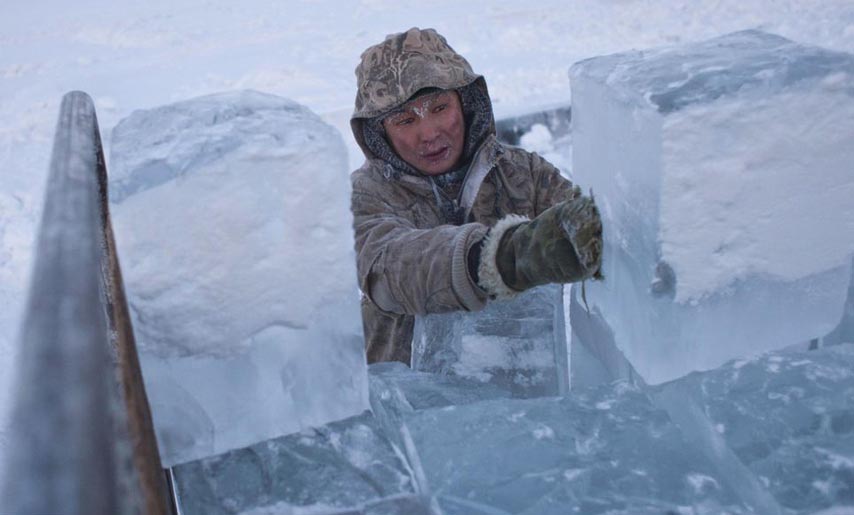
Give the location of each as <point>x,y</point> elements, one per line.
<point>420,107</point>
<point>422,110</point>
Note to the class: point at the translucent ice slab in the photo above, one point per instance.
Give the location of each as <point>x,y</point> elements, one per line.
<point>243,290</point>
<point>723,172</point>
<point>770,435</point>
<point>600,449</point>
<point>343,467</point>
<point>844,332</point>
<point>789,417</point>
<point>421,390</point>
<point>519,345</point>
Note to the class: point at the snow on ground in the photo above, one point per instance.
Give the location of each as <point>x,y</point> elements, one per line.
<point>139,55</point>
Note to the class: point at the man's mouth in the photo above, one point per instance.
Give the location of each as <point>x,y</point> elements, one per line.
<point>436,155</point>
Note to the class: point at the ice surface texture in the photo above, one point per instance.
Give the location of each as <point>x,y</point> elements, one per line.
<point>519,345</point>
<point>723,170</point>
<point>789,417</point>
<point>347,466</point>
<point>453,445</point>
<point>234,231</point>
<point>844,332</point>
<point>600,449</point>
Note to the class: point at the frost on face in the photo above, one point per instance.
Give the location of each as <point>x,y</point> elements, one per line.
<point>419,107</point>
<point>422,110</point>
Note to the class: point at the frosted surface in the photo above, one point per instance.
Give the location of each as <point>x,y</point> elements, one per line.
<point>233,229</point>
<point>844,332</point>
<point>789,417</point>
<point>346,464</point>
<point>723,171</point>
<point>600,449</point>
<point>518,345</point>
<point>420,390</point>
<point>771,434</point>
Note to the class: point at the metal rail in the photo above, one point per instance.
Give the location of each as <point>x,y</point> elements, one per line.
<point>82,437</point>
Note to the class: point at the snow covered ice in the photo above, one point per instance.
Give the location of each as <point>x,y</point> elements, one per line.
<point>519,344</point>
<point>234,233</point>
<point>723,170</point>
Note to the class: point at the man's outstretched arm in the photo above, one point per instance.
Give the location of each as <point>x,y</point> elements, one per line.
<point>403,269</point>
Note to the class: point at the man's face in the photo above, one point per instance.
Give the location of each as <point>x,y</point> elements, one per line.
<point>429,132</point>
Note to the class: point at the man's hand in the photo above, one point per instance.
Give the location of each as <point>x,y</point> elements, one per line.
<point>583,226</point>
<point>563,244</point>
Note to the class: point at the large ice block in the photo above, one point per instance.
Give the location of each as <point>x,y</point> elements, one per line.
<point>233,226</point>
<point>600,450</point>
<point>519,345</point>
<point>594,356</point>
<point>344,467</point>
<point>773,434</point>
<point>789,417</point>
<point>844,332</point>
<point>724,171</point>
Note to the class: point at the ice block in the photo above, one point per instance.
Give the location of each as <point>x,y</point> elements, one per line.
<point>232,221</point>
<point>724,171</point>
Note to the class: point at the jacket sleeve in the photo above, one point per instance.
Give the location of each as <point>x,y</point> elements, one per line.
<point>403,269</point>
<point>550,187</point>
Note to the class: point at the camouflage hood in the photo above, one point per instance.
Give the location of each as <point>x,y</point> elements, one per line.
<point>393,71</point>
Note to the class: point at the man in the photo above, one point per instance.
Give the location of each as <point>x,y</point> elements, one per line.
<point>445,216</point>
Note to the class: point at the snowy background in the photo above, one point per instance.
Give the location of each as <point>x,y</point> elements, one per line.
<point>137,56</point>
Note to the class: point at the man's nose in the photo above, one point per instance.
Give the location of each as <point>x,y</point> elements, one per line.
<point>428,130</point>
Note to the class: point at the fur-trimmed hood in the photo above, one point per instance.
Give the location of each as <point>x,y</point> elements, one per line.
<point>395,70</point>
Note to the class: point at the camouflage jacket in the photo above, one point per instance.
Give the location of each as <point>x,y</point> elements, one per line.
<point>411,259</point>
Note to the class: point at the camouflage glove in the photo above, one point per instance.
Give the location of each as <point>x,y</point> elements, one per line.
<point>563,244</point>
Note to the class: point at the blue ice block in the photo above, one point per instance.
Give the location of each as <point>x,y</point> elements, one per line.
<point>788,417</point>
<point>519,345</point>
<point>343,467</point>
<point>722,170</point>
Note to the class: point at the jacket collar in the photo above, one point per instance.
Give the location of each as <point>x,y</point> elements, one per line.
<point>484,160</point>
